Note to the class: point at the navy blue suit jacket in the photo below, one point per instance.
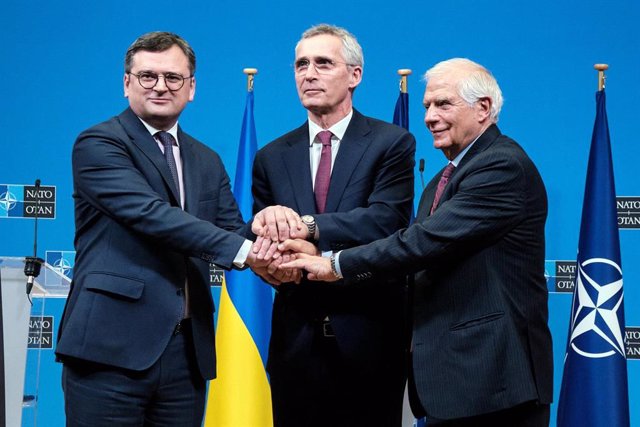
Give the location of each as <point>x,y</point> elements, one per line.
<point>481,341</point>
<point>370,196</point>
<point>135,246</point>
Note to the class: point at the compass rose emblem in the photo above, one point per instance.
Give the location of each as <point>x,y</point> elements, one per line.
<point>597,310</point>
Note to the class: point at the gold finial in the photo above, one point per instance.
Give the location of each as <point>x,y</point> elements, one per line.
<point>250,72</point>
<point>404,72</point>
<point>601,68</point>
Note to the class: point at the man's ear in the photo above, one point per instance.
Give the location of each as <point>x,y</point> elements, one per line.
<point>484,108</point>
<point>126,81</point>
<point>356,76</point>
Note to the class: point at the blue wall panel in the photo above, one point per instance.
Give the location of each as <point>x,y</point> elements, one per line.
<point>62,72</point>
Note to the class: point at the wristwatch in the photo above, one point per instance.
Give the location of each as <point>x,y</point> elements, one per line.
<point>310,222</point>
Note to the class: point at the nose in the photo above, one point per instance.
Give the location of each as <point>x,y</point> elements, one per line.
<point>311,71</point>
<point>430,116</point>
<point>161,87</point>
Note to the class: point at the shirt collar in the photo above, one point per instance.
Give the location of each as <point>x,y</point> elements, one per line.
<point>460,155</point>
<point>338,130</point>
<point>173,131</point>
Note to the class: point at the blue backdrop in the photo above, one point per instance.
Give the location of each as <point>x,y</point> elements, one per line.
<point>62,68</point>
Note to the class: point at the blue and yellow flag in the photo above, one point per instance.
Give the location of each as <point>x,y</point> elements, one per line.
<point>240,395</point>
<point>594,390</point>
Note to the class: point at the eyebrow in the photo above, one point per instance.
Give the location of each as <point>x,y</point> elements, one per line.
<point>315,58</point>
<point>438,101</point>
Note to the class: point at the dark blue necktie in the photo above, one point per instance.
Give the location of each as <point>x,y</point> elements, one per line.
<point>168,142</point>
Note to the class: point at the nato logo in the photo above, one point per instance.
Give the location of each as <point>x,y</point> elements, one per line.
<point>9,204</point>
<point>40,332</point>
<point>61,261</point>
<point>560,276</point>
<point>25,201</point>
<point>597,331</point>
<point>628,212</point>
<point>216,275</point>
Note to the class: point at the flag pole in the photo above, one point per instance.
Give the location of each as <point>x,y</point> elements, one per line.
<point>250,72</point>
<point>404,72</point>
<point>601,77</point>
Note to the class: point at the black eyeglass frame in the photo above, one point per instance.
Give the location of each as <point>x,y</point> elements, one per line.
<point>167,83</point>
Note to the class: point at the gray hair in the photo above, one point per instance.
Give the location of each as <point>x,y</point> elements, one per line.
<point>159,41</point>
<point>477,83</point>
<point>351,49</point>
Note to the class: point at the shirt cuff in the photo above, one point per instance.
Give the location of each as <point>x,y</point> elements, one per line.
<point>337,263</point>
<point>243,253</point>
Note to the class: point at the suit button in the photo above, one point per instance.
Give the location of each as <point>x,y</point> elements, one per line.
<point>180,291</point>
<point>205,256</point>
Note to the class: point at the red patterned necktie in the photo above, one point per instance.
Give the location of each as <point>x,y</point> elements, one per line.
<point>444,179</point>
<point>323,175</point>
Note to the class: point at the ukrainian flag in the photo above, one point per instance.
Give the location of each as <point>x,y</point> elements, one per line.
<point>240,395</point>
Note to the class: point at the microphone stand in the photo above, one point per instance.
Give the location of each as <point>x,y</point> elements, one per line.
<point>33,264</point>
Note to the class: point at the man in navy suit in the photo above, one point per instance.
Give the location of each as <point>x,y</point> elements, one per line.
<point>337,354</point>
<point>153,209</point>
<point>481,346</point>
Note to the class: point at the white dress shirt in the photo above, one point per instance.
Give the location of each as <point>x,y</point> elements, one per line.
<point>315,147</point>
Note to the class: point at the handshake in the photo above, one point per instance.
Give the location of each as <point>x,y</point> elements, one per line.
<point>282,249</point>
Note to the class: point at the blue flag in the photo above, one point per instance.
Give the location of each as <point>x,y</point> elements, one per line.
<point>401,118</point>
<point>401,112</point>
<point>594,389</point>
<point>240,394</point>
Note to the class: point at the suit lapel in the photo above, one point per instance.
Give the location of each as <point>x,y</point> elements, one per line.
<point>426,200</point>
<point>296,162</point>
<point>190,174</point>
<point>352,148</point>
<point>142,139</point>
<point>484,141</point>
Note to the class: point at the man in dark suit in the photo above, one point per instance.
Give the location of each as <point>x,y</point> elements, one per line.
<point>481,346</point>
<point>153,208</point>
<point>337,353</point>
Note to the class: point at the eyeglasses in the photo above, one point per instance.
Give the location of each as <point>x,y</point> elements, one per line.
<point>149,80</point>
<point>321,65</point>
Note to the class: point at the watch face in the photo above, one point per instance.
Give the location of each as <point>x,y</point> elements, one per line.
<point>307,219</point>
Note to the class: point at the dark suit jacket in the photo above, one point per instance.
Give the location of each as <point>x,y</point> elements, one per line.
<point>481,341</point>
<point>370,197</point>
<point>135,246</point>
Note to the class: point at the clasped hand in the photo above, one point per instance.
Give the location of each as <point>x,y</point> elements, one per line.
<point>281,239</point>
